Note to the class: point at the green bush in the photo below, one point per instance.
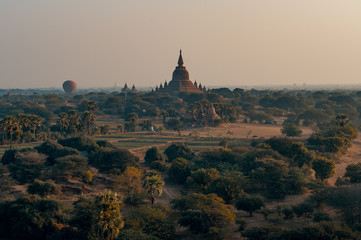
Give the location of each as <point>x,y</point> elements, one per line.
<point>180,170</point>
<point>106,159</point>
<point>30,217</point>
<point>27,166</point>
<point>179,150</point>
<point>159,166</point>
<point>70,166</point>
<point>250,203</point>
<point>154,221</point>
<point>154,154</point>
<point>44,189</point>
<point>80,143</point>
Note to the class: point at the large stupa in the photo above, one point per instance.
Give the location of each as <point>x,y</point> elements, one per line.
<point>180,81</point>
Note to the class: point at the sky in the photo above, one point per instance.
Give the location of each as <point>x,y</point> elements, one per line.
<point>233,42</point>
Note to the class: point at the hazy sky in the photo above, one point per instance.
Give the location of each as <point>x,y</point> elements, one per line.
<point>233,42</point>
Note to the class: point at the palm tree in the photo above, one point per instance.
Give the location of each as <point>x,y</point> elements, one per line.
<point>74,121</point>
<point>152,183</point>
<point>88,120</point>
<point>62,121</point>
<point>10,124</point>
<point>35,121</point>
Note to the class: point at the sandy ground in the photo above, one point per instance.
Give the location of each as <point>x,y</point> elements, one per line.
<point>353,155</point>
<point>245,130</point>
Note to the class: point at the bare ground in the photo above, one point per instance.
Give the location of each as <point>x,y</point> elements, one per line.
<point>353,155</point>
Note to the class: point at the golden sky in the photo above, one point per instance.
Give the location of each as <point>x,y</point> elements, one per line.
<point>232,42</point>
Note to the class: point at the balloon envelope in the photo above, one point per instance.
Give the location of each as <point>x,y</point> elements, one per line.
<point>69,86</point>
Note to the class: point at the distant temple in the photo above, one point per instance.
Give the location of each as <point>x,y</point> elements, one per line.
<point>180,81</point>
<point>126,89</point>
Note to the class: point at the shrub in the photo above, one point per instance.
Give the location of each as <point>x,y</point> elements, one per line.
<point>305,208</point>
<point>9,155</point>
<point>353,172</point>
<point>55,150</point>
<point>154,221</point>
<point>179,150</point>
<point>324,167</point>
<point>80,143</point>
<point>201,212</point>
<point>229,188</point>
<point>44,189</point>
<point>180,170</point>
<point>107,159</point>
<point>321,216</point>
<point>288,213</point>
<point>201,178</point>
<point>27,166</point>
<point>250,203</point>
<point>70,166</point>
<point>154,154</point>
<point>30,217</point>
<point>159,166</point>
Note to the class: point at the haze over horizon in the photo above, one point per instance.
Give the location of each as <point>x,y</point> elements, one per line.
<point>99,43</point>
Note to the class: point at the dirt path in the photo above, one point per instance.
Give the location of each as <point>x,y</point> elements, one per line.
<point>353,155</point>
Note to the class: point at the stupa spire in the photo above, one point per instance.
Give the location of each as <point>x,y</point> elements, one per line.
<point>180,59</point>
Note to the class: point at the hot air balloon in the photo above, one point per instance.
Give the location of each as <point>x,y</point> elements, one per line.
<point>69,86</point>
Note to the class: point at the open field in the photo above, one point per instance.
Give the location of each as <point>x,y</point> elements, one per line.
<point>198,138</point>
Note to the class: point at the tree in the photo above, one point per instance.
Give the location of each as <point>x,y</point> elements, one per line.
<point>250,203</point>
<point>73,122</point>
<point>130,181</point>
<point>120,128</point>
<point>353,172</point>
<point>203,213</point>
<point>70,166</point>
<point>88,120</point>
<point>10,124</point>
<point>109,220</point>
<point>272,175</point>
<point>81,143</point>
<point>291,130</point>
<point>106,159</point>
<point>35,122</point>
<point>179,150</point>
<point>62,122</point>
<point>27,166</point>
<point>229,187</point>
<point>301,155</point>
<point>146,125</point>
<point>99,217</point>
<point>154,154</point>
<point>132,117</point>
<point>342,120</point>
<point>104,129</point>
<point>44,188</point>
<point>180,170</point>
<point>201,178</point>
<point>156,221</point>
<point>175,124</point>
<point>152,184</point>
<point>324,167</point>
<point>30,217</point>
